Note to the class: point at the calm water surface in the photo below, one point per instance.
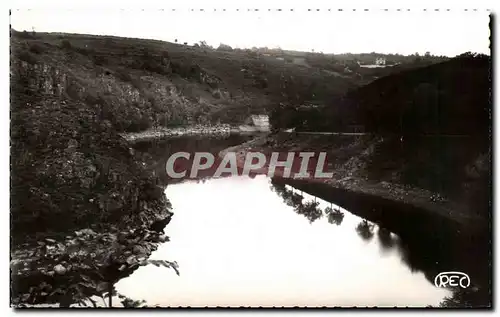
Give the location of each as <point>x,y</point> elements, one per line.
<point>242,241</point>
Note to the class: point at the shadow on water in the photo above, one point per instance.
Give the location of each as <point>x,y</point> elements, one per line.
<point>365,230</point>
<point>427,242</point>
<point>334,216</point>
<point>387,241</point>
<point>156,153</point>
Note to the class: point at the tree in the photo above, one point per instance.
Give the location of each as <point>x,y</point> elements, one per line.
<point>204,44</point>
<point>387,241</point>
<point>335,216</point>
<point>365,230</point>
<point>417,58</point>
<point>224,47</point>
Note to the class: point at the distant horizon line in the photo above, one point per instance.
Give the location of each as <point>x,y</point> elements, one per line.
<point>242,48</point>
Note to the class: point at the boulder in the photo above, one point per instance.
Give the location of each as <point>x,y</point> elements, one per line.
<point>60,269</point>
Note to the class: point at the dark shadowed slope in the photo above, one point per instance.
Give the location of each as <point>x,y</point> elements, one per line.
<point>452,97</point>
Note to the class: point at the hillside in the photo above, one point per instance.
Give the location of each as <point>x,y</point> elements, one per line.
<point>428,130</point>
<point>140,83</point>
<point>76,185</point>
<point>144,83</point>
<point>72,94</point>
<point>72,172</point>
<point>451,97</point>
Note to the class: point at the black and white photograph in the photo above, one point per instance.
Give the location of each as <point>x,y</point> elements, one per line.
<point>213,157</point>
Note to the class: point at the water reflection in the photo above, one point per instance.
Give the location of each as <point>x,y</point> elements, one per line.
<point>308,209</point>
<point>334,216</point>
<point>365,230</point>
<point>386,239</point>
<point>155,154</point>
<point>242,242</point>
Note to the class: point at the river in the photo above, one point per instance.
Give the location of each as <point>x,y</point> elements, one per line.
<point>243,241</point>
<point>238,243</point>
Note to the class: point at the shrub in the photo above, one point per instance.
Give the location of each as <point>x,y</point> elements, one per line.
<point>123,75</point>
<point>36,48</point>
<point>224,47</point>
<point>25,35</point>
<point>73,90</point>
<point>65,44</point>
<point>100,60</point>
<point>155,67</point>
<point>93,98</point>
<point>28,57</point>
<point>142,124</point>
<point>216,94</point>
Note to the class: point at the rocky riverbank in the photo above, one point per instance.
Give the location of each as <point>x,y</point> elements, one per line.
<point>349,159</point>
<point>71,269</point>
<point>383,194</point>
<point>82,202</point>
<point>160,133</point>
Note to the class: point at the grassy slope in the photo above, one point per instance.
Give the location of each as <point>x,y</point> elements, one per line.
<point>153,82</point>
<point>71,94</point>
<point>141,83</point>
<point>452,97</point>
<point>69,167</point>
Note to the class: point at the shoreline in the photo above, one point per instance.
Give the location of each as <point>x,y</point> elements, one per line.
<point>406,210</point>
<point>156,134</point>
<point>416,197</point>
<point>92,259</point>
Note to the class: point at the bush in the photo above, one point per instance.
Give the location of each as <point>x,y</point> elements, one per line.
<point>187,70</point>
<point>176,121</point>
<point>28,57</point>
<point>161,119</point>
<point>260,82</point>
<point>100,60</point>
<point>224,47</point>
<point>123,75</point>
<point>93,98</point>
<point>65,44</point>
<point>142,124</point>
<point>155,67</point>
<point>154,63</point>
<point>36,48</point>
<point>25,35</point>
<point>216,94</point>
<point>251,53</point>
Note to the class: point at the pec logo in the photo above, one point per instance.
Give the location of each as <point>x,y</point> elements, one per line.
<point>453,279</point>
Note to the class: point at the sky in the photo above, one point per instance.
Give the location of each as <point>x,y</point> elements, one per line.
<point>441,33</point>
